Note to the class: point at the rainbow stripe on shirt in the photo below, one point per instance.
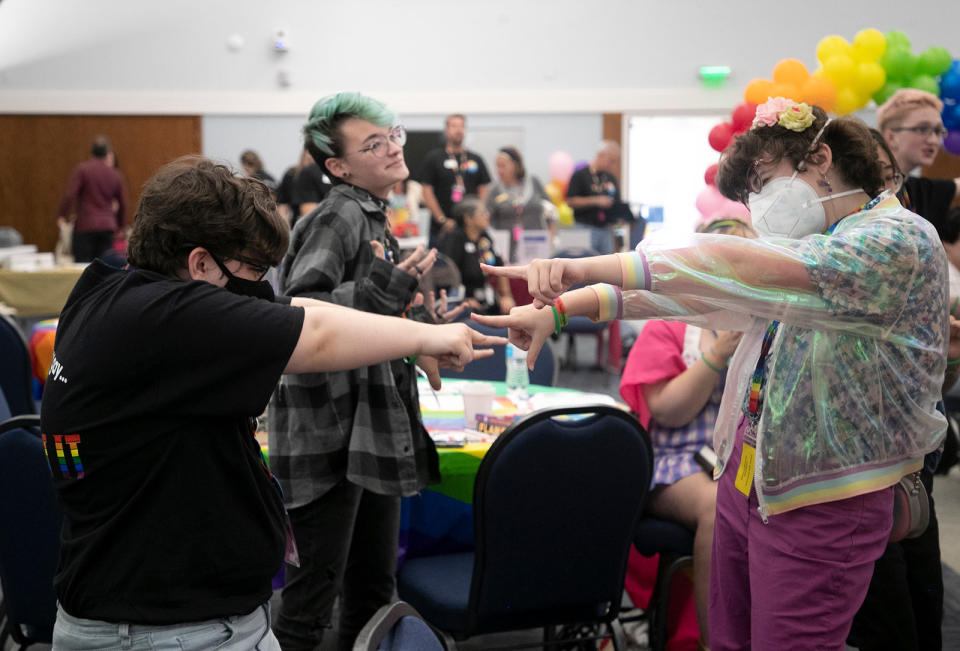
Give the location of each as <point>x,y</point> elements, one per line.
<point>65,453</point>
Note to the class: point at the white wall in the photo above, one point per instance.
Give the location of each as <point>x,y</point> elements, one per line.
<point>422,56</point>
<point>277,138</point>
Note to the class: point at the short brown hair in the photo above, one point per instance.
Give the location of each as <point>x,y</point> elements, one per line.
<point>854,153</point>
<point>195,201</point>
<point>902,103</point>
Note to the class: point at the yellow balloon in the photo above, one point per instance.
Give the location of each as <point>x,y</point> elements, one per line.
<point>840,69</point>
<point>565,214</point>
<point>848,101</point>
<point>830,46</point>
<point>869,45</point>
<point>870,78</point>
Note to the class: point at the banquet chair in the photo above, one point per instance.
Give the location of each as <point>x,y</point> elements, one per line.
<point>673,542</point>
<point>397,627</point>
<point>30,534</point>
<point>494,368</point>
<point>555,503</point>
<point>15,372</point>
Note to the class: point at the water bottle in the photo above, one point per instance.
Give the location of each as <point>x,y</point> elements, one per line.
<point>518,377</point>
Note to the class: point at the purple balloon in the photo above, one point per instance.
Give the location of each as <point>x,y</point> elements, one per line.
<point>952,142</point>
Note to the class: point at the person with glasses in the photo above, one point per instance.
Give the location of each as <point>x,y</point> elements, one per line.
<point>903,607</point>
<point>831,395</point>
<point>911,125</point>
<point>173,526</point>
<point>347,445</point>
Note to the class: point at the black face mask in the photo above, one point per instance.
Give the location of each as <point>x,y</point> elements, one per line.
<point>242,286</point>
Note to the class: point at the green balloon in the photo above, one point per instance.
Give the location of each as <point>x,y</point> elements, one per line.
<point>886,92</point>
<point>934,62</point>
<point>897,39</point>
<point>925,82</point>
<point>899,63</point>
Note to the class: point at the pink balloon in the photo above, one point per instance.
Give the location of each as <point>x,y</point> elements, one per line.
<point>713,205</point>
<point>561,166</point>
<point>709,200</point>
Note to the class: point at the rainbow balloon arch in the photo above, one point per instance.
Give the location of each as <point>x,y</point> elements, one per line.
<point>873,67</point>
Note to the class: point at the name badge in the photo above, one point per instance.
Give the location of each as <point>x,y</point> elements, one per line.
<point>450,164</point>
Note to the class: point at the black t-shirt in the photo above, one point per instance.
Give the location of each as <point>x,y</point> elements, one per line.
<point>309,185</point>
<point>285,190</point>
<point>170,514</point>
<point>441,170</point>
<point>584,183</point>
<point>929,198</point>
<point>467,254</point>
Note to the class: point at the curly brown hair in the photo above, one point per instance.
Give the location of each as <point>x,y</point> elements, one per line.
<point>195,201</point>
<point>854,153</point>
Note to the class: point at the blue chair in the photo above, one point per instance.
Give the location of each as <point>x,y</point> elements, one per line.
<point>30,534</point>
<point>555,503</point>
<point>397,627</point>
<point>15,373</point>
<point>494,368</point>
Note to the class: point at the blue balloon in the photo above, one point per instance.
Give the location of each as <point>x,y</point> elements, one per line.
<point>951,116</point>
<point>950,83</point>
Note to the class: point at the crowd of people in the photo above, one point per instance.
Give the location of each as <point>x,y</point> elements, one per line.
<point>808,347</point>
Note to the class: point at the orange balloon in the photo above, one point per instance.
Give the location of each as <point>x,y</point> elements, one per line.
<point>791,72</point>
<point>819,91</point>
<point>789,91</point>
<point>758,91</point>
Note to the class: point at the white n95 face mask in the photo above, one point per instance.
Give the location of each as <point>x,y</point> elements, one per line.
<point>788,207</point>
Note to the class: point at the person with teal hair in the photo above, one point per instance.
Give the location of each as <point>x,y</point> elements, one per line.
<point>347,445</point>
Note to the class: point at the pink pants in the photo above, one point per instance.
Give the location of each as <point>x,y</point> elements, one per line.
<point>796,582</point>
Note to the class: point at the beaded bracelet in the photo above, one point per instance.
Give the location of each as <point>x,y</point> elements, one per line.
<point>710,366</point>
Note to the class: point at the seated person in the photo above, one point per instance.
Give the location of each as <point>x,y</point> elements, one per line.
<point>470,244</point>
<point>674,381</point>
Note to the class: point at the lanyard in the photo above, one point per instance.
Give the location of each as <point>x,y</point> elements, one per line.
<point>759,378</point>
<point>459,159</point>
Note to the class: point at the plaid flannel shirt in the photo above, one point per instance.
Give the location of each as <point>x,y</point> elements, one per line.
<point>364,424</point>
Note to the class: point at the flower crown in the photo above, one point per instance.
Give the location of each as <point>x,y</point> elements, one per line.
<point>796,116</point>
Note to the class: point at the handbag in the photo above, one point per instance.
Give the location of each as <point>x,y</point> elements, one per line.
<point>911,508</point>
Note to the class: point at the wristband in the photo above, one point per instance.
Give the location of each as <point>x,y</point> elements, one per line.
<point>956,361</point>
<point>562,311</point>
<point>953,306</point>
<point>710,366</point>
<point>556,320</point>
<point>411,360</point>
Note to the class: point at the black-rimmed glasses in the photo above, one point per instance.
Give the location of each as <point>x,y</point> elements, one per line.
<point>925,130</point>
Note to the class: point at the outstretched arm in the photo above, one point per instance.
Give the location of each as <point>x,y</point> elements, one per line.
<point>345,339</point>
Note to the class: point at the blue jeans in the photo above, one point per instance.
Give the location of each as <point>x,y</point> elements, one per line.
<point>251,631</point>
<point>601,239</point>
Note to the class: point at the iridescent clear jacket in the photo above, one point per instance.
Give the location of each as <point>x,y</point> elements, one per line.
<point>856,367</point>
